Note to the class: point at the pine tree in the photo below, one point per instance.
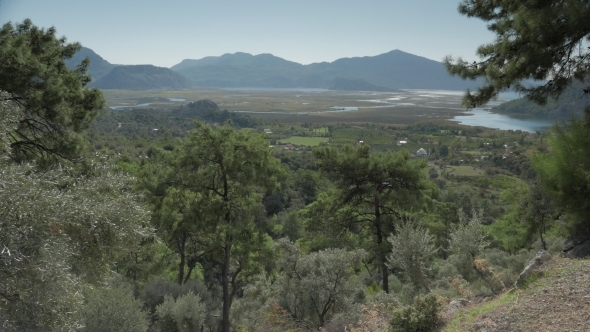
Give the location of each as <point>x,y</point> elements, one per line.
<point>53,101</point>
<point>372,187</point>
<point>535,40</point>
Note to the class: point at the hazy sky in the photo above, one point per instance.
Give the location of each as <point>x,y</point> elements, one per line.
<point>164,33</point>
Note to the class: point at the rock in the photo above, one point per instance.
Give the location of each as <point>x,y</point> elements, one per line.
<point>454,306</point>
<point>541,257</point>
<point>577,247</point>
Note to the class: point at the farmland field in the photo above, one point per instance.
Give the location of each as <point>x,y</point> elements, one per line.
<point>307,141</point>
<point>464,171</point>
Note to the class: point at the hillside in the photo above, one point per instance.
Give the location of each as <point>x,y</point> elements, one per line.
<point>98,66</point>
<point>557,298</point>
<point>142,77</point>
<point>392,70</point>
<point>572,102</point>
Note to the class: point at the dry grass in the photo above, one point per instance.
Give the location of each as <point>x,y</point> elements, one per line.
<point>557,298</point>
<point>464,171</point>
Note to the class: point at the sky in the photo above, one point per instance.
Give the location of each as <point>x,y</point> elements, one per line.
<point>163,33</point>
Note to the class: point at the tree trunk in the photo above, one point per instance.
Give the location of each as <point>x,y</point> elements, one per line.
<point>192,262</point>
<point>180,243</point>
<point>382,254</point>
<point>225,283</point>
<point>541,231</point>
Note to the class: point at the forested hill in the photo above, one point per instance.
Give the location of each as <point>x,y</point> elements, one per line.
<point>142,77</point>
<point>98,66</point>
<point>393,70</point>
<point>572,102</point>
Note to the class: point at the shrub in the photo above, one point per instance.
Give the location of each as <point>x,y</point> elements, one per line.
<point>113,309</point>
<point>186,314</point>
<point>421,317</point>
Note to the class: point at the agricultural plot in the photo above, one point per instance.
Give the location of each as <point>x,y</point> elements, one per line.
<point>464,171</point>
<point>306,141</point>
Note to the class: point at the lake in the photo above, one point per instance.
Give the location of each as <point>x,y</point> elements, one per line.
<point>484,118</point>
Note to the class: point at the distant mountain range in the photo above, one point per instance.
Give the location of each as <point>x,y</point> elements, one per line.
<point>98,66</point>
<point>392,70</point>
<point>385,72</point>
<point>142,77</point>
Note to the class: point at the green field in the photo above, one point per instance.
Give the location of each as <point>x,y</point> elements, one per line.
<point>307,141</point>
<point>464,171</point>
<point>321,131</point>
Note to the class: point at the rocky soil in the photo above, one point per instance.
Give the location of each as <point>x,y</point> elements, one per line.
<point>555,298</point>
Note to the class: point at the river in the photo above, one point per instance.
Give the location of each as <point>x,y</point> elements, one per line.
<point>485,118</point>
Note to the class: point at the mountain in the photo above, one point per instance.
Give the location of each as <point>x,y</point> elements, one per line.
<point>392,70</point>
<point>243,70</point>
<point>98,66</point>
<point>571,103</point>
<point>142,77</point>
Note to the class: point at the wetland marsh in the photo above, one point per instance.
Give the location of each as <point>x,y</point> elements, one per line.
<point>402,107</point>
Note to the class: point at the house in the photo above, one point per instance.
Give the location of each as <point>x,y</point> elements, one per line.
<point>267,131</point>
<point>421,153</point>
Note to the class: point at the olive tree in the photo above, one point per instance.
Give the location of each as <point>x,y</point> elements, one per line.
<point>314,286</point>
<point>412,248</point>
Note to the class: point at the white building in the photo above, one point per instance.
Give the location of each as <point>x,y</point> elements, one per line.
<point>421,153</point>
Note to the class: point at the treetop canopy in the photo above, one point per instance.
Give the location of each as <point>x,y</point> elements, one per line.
<point>542,40</point>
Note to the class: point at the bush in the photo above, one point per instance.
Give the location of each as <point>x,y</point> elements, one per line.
<point>421,317</point>
<point>113,309</point>
<point>186,314</point>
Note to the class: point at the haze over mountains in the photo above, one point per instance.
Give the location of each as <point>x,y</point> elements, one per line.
<point>385,72</point>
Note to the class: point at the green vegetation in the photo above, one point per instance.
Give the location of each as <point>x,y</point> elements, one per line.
<point>463,171</point>
<point>466,317</point>
<point>181,218</point>
<point>54,104</point>
<point>421,317</point>
<point>518,54</point>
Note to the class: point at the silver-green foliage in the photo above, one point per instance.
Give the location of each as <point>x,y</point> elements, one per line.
<point>421,317</point>
<point>411,250</point>
<point>185,314</point>
<point>58,229</point>
<point>469,238</point>
<point>113,309</point>
<point>314,286</point>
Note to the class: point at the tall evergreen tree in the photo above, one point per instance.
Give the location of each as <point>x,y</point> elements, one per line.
<point>53,101</point>
<point>372,188</point>
<point>211,197</point>
<point>539,40</point>
<point>535,40</point>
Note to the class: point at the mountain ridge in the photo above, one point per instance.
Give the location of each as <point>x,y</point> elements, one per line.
<point>384,72</point>
<point>142,77</point>
<point>392,70</point>
<point>98,65</point>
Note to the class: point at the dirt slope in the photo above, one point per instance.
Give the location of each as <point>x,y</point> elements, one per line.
<point>557,298</point>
